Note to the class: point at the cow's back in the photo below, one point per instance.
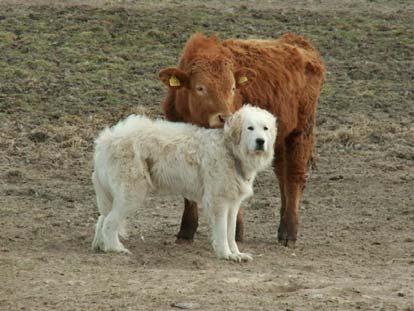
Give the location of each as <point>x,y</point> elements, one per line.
<point>289,71</point>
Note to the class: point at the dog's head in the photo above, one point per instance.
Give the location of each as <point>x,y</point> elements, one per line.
<point>253,132</point>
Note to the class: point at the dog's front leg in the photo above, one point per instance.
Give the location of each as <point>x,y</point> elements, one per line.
<point>218,225</point>
<point>231,236</point>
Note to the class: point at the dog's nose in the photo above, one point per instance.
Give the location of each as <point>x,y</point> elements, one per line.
<point>260,141</point>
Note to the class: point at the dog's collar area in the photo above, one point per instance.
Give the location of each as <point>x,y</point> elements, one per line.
<point>239,168</point>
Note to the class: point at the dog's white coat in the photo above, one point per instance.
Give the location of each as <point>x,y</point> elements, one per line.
<point>213,167</point>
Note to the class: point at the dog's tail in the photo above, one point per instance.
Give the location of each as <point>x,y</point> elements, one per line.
<point>103,197</point>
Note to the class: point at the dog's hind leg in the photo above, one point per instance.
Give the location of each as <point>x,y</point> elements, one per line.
<point>125,202</point>
<point>104,202</point>
<point>112,225</point>
<point>97,243</point>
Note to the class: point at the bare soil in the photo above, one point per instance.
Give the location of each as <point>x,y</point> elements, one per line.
<point>67,70</point>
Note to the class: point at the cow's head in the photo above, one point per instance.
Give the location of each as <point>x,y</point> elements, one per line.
<point>210,86</point>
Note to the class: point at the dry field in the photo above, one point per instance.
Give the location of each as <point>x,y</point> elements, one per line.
<point>70,68</point>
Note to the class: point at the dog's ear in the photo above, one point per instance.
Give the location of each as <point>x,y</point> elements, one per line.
<point>233,128</point>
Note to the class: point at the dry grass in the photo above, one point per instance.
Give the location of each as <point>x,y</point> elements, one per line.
<point>320,6</point>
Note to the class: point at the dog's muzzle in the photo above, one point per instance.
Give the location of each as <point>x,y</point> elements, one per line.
<point>260,144</point>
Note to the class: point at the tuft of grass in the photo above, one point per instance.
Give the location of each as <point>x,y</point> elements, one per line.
<point>7,38</point>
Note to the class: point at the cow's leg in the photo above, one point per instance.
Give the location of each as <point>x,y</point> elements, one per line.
<point>281,232</point>
<point>299,145</point>
<point>189,222</point>
<point>239,226</point>
<point>280,172</point>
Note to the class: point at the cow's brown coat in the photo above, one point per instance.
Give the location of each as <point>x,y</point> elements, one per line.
<point>284,76</point>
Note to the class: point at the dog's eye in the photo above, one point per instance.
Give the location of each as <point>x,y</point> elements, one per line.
<point>250,128</point>
<point>265,128</point>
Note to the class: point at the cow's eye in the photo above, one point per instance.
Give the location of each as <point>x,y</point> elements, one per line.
<point>250,128</point>
<point>200,89</point>
<point>265,128</point>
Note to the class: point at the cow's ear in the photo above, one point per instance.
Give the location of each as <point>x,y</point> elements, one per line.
<point>174,78</point>
<point>244,76</point>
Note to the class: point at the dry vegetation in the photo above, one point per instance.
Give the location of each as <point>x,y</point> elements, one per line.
<point>69,68</point>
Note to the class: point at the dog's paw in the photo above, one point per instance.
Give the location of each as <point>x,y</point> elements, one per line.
<point>125,251</point>
<point>246,256</point>
<point>97,247</point>
<point>223,255</point>
<point>239,257</point>
<point>119,250</point>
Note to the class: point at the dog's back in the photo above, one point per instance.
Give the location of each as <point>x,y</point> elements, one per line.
<point>141,128</point>
<point>162,153</point>
<point>122,130</point>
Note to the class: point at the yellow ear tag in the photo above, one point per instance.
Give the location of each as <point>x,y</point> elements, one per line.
<point>242,79</point>
<point>174,81</point>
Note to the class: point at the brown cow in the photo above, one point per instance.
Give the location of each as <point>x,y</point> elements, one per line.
<point>284,76</point>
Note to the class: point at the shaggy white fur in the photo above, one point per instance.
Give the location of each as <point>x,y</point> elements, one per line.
<point>213,167</point>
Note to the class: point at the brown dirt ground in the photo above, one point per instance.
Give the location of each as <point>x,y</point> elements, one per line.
<point>68,70</point>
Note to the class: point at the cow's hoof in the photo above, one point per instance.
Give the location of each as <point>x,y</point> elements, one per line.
<point>288,243</point>
<point>183,241</point>
<point>185,237</point>
<point>282,234</point>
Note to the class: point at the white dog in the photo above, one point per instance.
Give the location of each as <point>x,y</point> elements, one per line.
<point>213,167</point>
